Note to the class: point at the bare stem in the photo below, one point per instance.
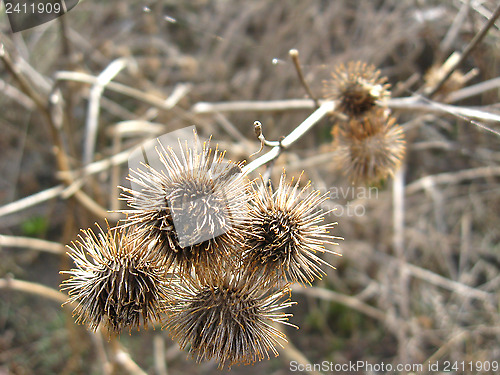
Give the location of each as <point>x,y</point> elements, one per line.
<point>33,288</point>
<point>294,54</point>
<point>298,132</point>
<point>349,301</point>
<point>31,243</point>
<point>473,43</point>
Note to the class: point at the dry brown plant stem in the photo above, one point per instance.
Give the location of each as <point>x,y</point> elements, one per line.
<point>159,355</point>
<point>414,103</point>
<point>120,357</point>
<point>349,301</point>
<point>294,54</point>
<point>451,178</point>
<point>32,243</point>
<point>298,132</point>
<point>437,280</point>
<point>31,200</point>
<point>473,43</point>
<point>165,104</point>
<point>253,105</point>
<point>44,106</point>
<point>291,353</point>
<point>398,195</point>
<point>123,359</point>
<point>94,106</point>
<point>32,288</point>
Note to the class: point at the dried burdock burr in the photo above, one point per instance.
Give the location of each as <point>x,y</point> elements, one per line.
<point>230,318</point>
<point>286,232</point>
<point>356,88</point>
<point>116,282</point>
<point>192,211</point>
<point>369,149</point>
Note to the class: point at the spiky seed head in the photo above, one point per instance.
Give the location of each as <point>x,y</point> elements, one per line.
<point>229,319</point>
<point>115,281</point>
<point>192,210</point>
<point>371,148</point>
<point>356,87</point>
<point>286,232</point>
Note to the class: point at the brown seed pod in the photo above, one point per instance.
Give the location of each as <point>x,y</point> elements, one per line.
<point>228,319</point>
<point>371,148</point>
<point>356,87</point>
<point>286,231</point>
<point>192,211</point>
<point>115,281</point>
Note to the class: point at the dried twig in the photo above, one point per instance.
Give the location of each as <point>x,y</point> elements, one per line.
<point>300,130</point>
<point>291,352</point>
<point>451,178</point>
<point>159,355</point>
<point>165,104</point>
<point>122,358</point>
<point>351,302</point>
<point>294,54</point>
<point>32,243</point>
<point>473,90</point>
<point>33,288</point>
<point>253,106</point>
<point>465,54</point>
<point>399,249</point>
<point>31,200</point>
<point>96,91</point>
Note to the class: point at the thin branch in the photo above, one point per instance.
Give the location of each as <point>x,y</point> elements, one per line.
<point>98,341</point>
<point>415,103</point>
<point>17,95</point>
<point>231,129</point>
<point>44,105</point>
<point>93,110</point>
<point>454,29</point>
<point>448,284</point>
<point>122,358</point>
<point>20,79</point>
<point>438,354</point>
<point>473,43</point>
<point>308,123</point>
<point>31,200</point>
<point>32,243</point>
<point>418,103</point>
<point>398,196</point>
<point>159,355</point>
<point>291,352</point>
<point>33,288</point>
<point>294,54</point>
<point>351,302</point>
<point>451,178</point>
<point>437,280</point>
<point>253,106</point>
<point>155,101</point>
<point>473,90</point>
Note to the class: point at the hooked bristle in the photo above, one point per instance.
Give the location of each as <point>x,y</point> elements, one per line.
<point>356,87</point>
<point>115,283</point>
<point>228,319</point>
<point>287,231</point>
<point>191,211</point>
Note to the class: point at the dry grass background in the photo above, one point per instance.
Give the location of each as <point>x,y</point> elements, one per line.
<point>419,277</point>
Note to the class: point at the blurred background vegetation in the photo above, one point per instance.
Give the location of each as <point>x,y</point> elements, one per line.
<point>419,277</point>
